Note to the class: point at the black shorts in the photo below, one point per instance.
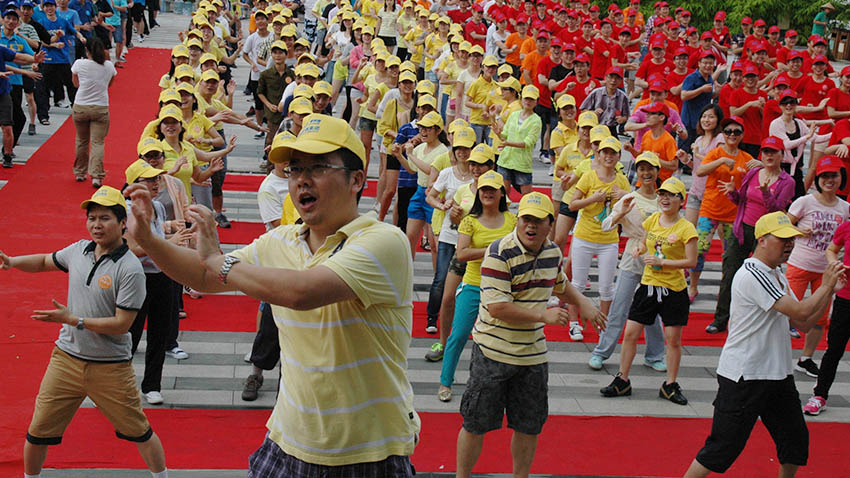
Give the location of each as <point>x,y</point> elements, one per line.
<point>6,110</point>
<point>217,177</point>
<point>29,84</point>
<point>252,87</point>
<point>545,115</point>
<point>137,12</point>
<point>366,124</point>
<point>673,307</point>
<point>457,267</point>
<point>388,41</point>
<point>737,407</point>
<point>497,389</point>
<point>392,161</point>
<point>564,210</point>
<point>152,5</point>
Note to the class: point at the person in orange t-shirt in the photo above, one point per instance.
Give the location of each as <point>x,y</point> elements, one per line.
<point>514,43</point>
<point>659,141</point>
<point>532,59</point>
<point>635,6</point>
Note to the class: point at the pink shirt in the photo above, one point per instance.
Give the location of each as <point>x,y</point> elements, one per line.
<point>698,183</point>
<point>810,251</point>
<point>755,202</point>
<point>842,238</point>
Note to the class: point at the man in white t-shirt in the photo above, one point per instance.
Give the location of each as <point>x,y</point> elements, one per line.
<point>755,371</point>
<point>249,53</point>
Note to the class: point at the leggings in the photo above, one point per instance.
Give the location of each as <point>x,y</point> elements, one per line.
<point>705,233</point>
<point>466,311</point>
<point>581,254</point>
<point>157,311</point>
<point>836,340</point>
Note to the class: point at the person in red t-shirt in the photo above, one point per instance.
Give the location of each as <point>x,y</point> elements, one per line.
<point>772,109</point>
<point>707,43</point>
<point>462,13</point>
<point>814,91</point>
<point>656,64</point>
<point>795,70</point>
<point>544,102</point>
<point>720,32</point>
<point>757,37</point>
<point>579,84</point>
<point>818,47</point>
<point>787,47</point>
<point>838,103</point>
<point>625,59</point>
<point>772,44</point>
<point>512,12</point>
<point>559,23</point>
<point>584,42</point>
<point>724,97</point>
<point>475,31</point>
<point>748,103</point>
<point>677,76</point>
<point>674,42</point>
<point>573,30</point>
<point>839,144</point>
<point>603,51</point>
<point>767,73</point>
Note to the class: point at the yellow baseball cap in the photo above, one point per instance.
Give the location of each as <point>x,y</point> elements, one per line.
<point>377,43</point>
<point>368,30</point>
<point>183,71</point>
<point>288,31</point>
<point>170,111</point>
<point>476,50</point>
<point>505,69</point>
<point>279,44</point>
<point>530,91</point>
<point>465,46</point>
<point>426,87</point>
<point>535,204</point>
<point>170,95</point>
<point>106,196</point>
<point>490,60</point>
<point>303,42</point>
<point>587,118</point>
<point>303,90</point>
<point>310,69</point>
<point>286,12</point>
<point>455,38</point>
<point>195,42</point>
<point>511,83</point>
<point>566,100</point>
<point>482,153</point>
<point>427,100</point>
<point>320,134</point>
<point>149,144</point>
<point>491,179</point>
<point>648,157</point>
<point>776,223</point>
<point>610,142</point>
<point>207,57</point>
<point>184,88</point>
<point>322,88</point>
<point>301,105</point>
<point>407,76</point>
<point>209,75</point>
<point>441,20</point>
<point>407,66</point>
<point>457,124</point>
<point>674,185</point>
<point>430,120</point>
<point>463,137</point>
<point>141,169</point>
<point>180,50</point>
<point>433,17</point>
<point>306,57</point>
<point>599,132</point>
<point>275,7</point>
<point>279,20</point>
<point>194,32</point>
<point>393,61</point>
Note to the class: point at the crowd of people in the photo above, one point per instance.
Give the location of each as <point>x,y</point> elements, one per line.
<point>454,101</point>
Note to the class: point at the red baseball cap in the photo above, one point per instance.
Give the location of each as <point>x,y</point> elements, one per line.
<point>478,8</point>
<point>760,23</point>
<point>737,66</point>
<point>706,35</point>
<point>746,21</point>
<point>751,70</point>
<point>732,119</point>
<point>657,107</point>
<point>498,17</point>
<point>680,51</point>
<point>691,31</point>
<point>707,53</point>
<point>760,46</point>
<point>829,164</point>
<point>606,20</point>
<point>582,58</point>
<point>773,29</point>
<point>774,143</point>
<point>658,86</point>
<point>556,42</point>
<point>788,93</point>
<point>674,25</point>
<point>633,12</point>
<point>721,15</point>
<point>626,31</point>
<point>572,13</point>
<point>781,79</point>
<point>657,44</point>
<point>613,6</point>
<point>845,71</point>
<point>543,34</point>
<point>538,25</point>
<point>594,8</point>
<point>522,18</point>
<point>586,21</point>
<point>795,55</point>
<point>569,47</point>
<point>635,2</point>
<point>686,13</point>
<point>678,10</point>
<point>614,70</point>
<point>816,40</point>
<point>820,59</point>
<point>791,34</point>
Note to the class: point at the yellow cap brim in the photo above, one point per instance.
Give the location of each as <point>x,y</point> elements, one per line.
<point>785,232</point>
<point>491,184</point>
<point>463,142</point>
<point>102,201</point>
<point>535,211</point>
<point>283,153</point>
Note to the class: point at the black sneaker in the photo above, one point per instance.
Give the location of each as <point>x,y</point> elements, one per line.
<point>7,161</point>
<point>808,367</point>
<point>431,328</point>
<point>672,392</point>
<point>222,221</point>
<point>715,328</point>
<point>618,388</point>
<point>31,130</point>
<point>251,390</point>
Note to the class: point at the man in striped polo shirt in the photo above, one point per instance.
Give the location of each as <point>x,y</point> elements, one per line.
<point>509,372</point>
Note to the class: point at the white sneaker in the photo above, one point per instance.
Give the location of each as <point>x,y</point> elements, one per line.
<point>177,353</point>
<point>545,159</point>
<point>140,39</point>
<point>552,170</point>
<point>247,357</point>
<point>153,397</point>
<point>575,332</point>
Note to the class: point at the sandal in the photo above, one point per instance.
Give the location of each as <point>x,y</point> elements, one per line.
<point>182,314</point>
<point>45,122</point>
<point>424,244</point>
<point>445,394</point>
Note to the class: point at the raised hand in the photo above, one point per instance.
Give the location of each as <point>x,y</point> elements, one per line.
<point>206,237</point>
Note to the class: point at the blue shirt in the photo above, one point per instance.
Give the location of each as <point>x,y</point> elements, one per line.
<point>407,132</point>
<point>59,55</point>
<point>84,13</point>
<point>692,107</point>
<point>6,55</point>
<point>17,45</point>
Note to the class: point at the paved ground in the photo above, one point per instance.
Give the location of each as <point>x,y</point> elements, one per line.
<point>212,376</point>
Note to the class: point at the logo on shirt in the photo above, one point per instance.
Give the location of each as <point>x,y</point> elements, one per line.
<point>105,281</point>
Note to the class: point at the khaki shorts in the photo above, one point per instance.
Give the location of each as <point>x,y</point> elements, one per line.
<point>557,192</point>
<point>67,382</point>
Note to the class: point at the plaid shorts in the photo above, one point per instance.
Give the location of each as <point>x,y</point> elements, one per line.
<point>270,461</point>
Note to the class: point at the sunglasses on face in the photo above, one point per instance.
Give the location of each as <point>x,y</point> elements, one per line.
<point>733,132</point>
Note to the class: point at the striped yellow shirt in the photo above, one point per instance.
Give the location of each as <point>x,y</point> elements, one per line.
<point>510,273</point>
<point>344,395</point>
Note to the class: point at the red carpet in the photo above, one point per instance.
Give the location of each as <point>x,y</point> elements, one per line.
<point>575,445</point>
<point>241,232</point>
<point>44,215</point>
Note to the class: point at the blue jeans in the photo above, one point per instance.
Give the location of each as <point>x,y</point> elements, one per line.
<point>445,252</point>
<point>482,133</point>
<point>627,283</point>
<point>466,311</point>
<point>444,106</point>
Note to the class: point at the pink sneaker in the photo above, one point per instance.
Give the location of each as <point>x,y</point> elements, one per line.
<point>815,405</point>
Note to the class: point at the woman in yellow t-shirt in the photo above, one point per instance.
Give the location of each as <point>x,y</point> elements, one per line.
<point>488,220</point>
<point>402,25</point>
<point>596,193</point>
<point>510,89</point>
<point>565,176</point>
<point>668,248</point>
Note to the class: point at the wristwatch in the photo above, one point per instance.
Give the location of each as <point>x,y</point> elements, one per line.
<point>225,268</point>
<point>81,323</point>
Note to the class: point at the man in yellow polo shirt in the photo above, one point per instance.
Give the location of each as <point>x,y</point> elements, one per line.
<point>344,316</point>
<point>509,371</point>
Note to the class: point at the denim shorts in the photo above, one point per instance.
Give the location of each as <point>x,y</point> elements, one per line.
<point>517,178</point>
<point>418,208</point>
<point>367,124</point>
<point>496,389</point>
